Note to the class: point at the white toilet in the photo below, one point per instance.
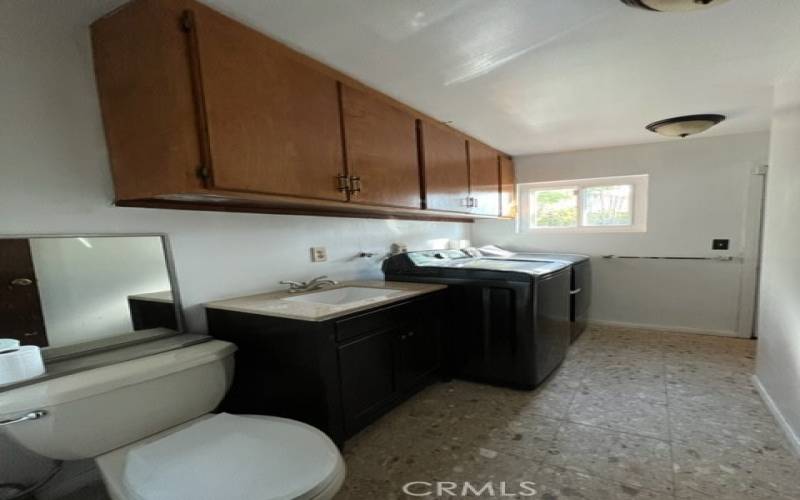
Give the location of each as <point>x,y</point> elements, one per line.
<point>146,423</point>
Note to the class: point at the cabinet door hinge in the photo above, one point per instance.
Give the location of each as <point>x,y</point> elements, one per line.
<point>343,183</point>
<point>187,21</point>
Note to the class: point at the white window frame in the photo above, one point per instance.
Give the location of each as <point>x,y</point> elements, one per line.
<point>639,183</point>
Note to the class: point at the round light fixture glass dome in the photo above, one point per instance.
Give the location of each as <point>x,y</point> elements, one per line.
<point>672,5</point>
<point>684,126</point>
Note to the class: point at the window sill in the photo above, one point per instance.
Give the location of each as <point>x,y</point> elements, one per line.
<point>584,230</point>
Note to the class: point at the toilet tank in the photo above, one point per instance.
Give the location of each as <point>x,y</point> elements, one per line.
<point>92,412</point>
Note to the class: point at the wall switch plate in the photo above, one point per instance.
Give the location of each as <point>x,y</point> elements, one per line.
<point>319,254</point>
<point>720,244</point>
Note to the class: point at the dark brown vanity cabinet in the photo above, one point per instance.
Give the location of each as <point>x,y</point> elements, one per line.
<point>337,375</point>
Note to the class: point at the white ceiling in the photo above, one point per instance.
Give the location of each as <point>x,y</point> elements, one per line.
<point>531,76</point>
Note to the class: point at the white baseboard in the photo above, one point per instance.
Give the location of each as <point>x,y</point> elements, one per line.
<point>791,435</point>
<point>664,328</point>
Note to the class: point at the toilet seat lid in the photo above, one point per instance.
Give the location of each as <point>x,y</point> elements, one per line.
<point>235,458</point>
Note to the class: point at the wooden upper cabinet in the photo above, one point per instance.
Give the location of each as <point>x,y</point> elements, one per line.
<point>203,112</point>
<point>508,187</point>
<point>273,120</point>
<point>381,146</point>
<point>145,91</point>
<point>446,172</point>
<point>484,179</point>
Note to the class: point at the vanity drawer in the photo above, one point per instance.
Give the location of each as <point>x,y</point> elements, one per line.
<point>388,317</point>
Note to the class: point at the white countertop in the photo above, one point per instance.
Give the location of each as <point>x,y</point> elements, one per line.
<point>164,296</point>
<point>271,304</point>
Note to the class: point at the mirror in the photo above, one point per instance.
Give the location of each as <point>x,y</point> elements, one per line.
<point>58,291</point>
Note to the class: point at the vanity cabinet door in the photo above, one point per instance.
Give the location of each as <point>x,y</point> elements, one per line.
<point>273,123</point>
<point>366,368</point>
<point>418,353</point>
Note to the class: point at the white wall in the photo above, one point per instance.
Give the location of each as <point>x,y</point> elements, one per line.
<point>84,283</point>
<point>778,362</point>
<point>54,177</point>
<point>699,190</point>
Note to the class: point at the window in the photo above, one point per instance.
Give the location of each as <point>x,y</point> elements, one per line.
<point>607,204</point>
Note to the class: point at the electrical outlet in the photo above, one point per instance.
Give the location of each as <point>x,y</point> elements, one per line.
<point>720,244</point>
<point>319,254</point>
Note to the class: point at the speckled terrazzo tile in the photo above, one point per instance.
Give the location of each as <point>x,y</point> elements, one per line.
<point>712,362</point>
<point>715,401</point>
<point>621,366</point>
<point>524,436</point>
<point>480,466</point>
<point>571,368</point>
<point>375,489</point>
<point>709,376</point>
<point>723,353</point>
<point>687,342</point>
<point>403,460</point>
<point>722,473</point>
<point>731,430</point>
<point>634,460</point>
<point>556,483</point>
<point>639,335</point>
<point>620,412</point>
<point>403,423</point>
<point>619,380</point>
<point>551,399</point>
<point>372,477</point>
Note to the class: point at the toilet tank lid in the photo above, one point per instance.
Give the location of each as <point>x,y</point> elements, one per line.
<point>236,457</point>
<point>60,390</point>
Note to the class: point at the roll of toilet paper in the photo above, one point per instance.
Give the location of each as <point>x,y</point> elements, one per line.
<point>21,364</point>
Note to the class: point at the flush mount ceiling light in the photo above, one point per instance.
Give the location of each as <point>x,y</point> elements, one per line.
<point>683,126</point>
<point>672,5</point>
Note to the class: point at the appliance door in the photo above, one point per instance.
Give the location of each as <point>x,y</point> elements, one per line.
<point>485,342</point>
<point>580,297</point>
<point>551,328</point>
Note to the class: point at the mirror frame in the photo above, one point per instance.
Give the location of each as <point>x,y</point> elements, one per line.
<point>125,338</point>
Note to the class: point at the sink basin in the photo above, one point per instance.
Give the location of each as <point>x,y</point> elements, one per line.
<point>345,295</point>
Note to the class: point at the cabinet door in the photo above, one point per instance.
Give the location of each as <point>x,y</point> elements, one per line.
<point>418,353</point>
<point>484,179</point>
<point>366,368</point>
<point>508,187</point>
<point>272,117</point>
<point>381,142</point>
<point>446,173</point>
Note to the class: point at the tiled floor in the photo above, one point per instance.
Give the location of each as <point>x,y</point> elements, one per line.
<point>630,414</point>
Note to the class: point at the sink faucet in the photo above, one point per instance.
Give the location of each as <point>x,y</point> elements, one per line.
<point>307,286</point>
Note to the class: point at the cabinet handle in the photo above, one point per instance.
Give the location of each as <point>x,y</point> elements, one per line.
<point>343,183</point>
<point>22,282</point>
<point>355,184</point>
<point>30,334</point>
